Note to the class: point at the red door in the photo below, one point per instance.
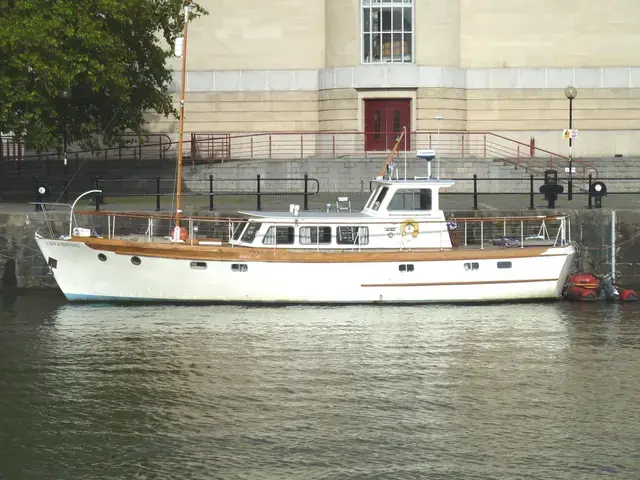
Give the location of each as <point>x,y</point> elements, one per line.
<point>384,120</point>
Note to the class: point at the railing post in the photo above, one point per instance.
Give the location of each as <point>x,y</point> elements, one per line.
<point>38,195</point>
<point>258,197</point>
<point>306,192</point>
<point>589,191</point>
<point>531,206</point>
<point>485,145</point>
<point>475,191</point>
<point>211,193</point>
<point>157,193</point>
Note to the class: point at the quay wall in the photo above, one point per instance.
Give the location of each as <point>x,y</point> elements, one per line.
<point>22,266</point>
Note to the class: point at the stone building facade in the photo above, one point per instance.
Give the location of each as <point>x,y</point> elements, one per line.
<point>379,65</point>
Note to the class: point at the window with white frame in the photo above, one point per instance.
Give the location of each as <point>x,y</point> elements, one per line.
<point>387,31</point>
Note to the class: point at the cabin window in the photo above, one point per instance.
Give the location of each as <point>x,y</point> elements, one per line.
<point>239,267</point>
<point>237,231</point>
<point>411,200</point>
<point>406,267</point>
<point>471,266</point>
<point>198,265</point>
<point>504,264</point>
<point>352,235</point>
<point>315,235</point>
<point>279,235</point>
<point>380,198</point>
<point>250,232</point>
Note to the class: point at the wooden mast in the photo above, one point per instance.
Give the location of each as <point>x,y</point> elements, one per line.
<point>390,157</point>
<point>181,130</point>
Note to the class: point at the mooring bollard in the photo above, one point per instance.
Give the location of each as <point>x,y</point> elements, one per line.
<point>259,198</point>
<point>531,193</point>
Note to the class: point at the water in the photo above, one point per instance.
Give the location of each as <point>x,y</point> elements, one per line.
<point>538,391</point>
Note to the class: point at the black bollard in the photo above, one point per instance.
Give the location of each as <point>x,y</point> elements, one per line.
<point>258,196</point>
<point>306,191</point>
<point>475,191</point>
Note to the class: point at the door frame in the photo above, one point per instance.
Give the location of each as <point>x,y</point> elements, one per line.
<point>390,94</point>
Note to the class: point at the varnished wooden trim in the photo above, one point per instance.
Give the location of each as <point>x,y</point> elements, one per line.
<point>448,284</point>
<point>229,253</point>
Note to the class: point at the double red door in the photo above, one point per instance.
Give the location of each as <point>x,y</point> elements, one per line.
<point>384,120</point>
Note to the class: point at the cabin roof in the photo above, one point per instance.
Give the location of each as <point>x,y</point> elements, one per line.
<point>332,216</point>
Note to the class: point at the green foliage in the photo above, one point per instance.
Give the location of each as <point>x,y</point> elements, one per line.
<point>87,68</point>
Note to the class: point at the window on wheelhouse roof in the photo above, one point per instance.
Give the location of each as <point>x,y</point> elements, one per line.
<point>352,235</point>
<point>315,235</point>
<point>250,232</point>
<point>411,199</point>
<point>279,235</point>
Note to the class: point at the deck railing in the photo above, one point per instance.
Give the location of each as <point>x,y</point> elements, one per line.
<point>468,232</point>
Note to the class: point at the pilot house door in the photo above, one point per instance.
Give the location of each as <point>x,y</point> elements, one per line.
<point>384,120</point>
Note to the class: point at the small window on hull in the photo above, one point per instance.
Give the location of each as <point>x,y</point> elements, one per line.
<point>504,264</point>
<point>199,265</point>
<point>406,267</point>
<point>239,267</point>
<point>471,266</point>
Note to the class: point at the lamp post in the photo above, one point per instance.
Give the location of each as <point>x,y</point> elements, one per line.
<point>64,94</point>
<point>437,118</point>
<point>570,92</point>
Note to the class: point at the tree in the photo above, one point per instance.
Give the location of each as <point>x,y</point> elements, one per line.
<point>85,69</point>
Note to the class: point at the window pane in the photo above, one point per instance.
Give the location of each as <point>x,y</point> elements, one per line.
<point>375,19</point>
<point>375,47</point>
<point>386,47</point>
<point>284,235</point>
<point>366,47</point>
<point>397,52</point>
<point>386,19</point>
<point>408,53</point>
<point>366,19</point>
<point>407,20</point>
<point>397,19</point>
<point>250,233</point>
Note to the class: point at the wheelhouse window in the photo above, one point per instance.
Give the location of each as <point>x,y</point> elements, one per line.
<point>412,200</point>
<point>249,234</point>
<point>315,235</point>
<point>352,235</point>
<point>279,235</point>
<point>237,229</point>
<point>379,198</point>
<point>387,31</point>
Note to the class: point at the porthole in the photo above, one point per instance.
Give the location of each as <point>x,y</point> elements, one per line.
<point>504,264</point>
<point>136,260</point>
<point>102,257</point>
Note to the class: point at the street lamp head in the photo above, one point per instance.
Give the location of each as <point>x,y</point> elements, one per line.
<point>570,92</point>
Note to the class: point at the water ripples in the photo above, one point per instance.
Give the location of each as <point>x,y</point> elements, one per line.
<point>515,391</point>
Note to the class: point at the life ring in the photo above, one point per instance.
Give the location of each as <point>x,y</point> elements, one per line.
<point>410,228</point>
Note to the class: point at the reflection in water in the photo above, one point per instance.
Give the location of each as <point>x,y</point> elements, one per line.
<point>99,391</point>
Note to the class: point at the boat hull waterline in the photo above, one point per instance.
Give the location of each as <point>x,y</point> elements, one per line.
<point>102,270</point>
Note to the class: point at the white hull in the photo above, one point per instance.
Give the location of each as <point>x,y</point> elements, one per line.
<point>82,277</point>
